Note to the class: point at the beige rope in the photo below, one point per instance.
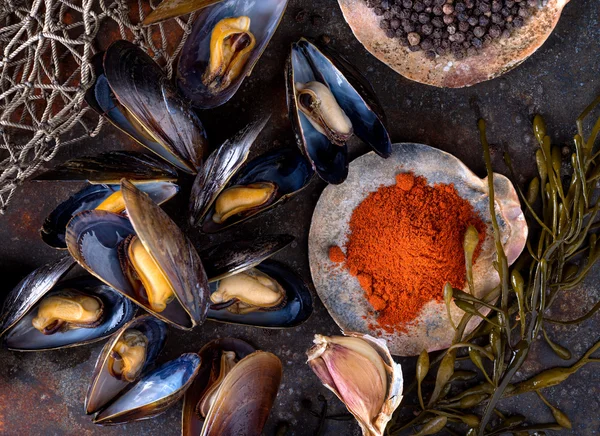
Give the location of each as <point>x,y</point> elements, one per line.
<point>45,52</point>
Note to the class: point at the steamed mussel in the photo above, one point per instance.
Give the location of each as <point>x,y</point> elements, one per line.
<point>104,173</point>
<point>228,190</point>
<point>248,288</point>
<point>226,41</point>
<point>329,101</point>
<point>43,313</point>
<point>134,94</point>
<point>146,258</point>
<point>130,353</point>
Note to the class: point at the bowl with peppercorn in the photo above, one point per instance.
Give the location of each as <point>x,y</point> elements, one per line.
<point>452,43</point>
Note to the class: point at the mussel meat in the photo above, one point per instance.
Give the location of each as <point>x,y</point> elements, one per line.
<point>328,101</point>
<point>66,310</point>
<point>240,199</point>
<point>124,359</point>
<point>316,101</point>
<point>146,258</point>
<point>231,44</point>
<point>249,291</point>
<point>226,41</point>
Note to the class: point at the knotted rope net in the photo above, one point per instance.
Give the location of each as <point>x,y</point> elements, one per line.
<point>46,48</point>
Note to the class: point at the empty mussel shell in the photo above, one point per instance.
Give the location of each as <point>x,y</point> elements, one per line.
<point>266,181</point>
<point>210,356</point>
<point>96,196</point>
<point>94,239</point>
<point>154,393</point>
<point>148,107</point>
<point>175,8</point>
<point>244,399</point>
<point>133,350</point>
<point>237,257</point>
<point>226,41</point>
<point>219,168</point>
<point>109,309</point>
<point>328,100</point>
<point>110,167</point>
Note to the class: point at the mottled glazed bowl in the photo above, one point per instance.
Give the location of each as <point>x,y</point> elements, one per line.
<point>341,293</point>
<point>445,71</point>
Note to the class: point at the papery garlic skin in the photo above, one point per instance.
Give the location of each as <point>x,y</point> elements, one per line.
<point>360,371</point>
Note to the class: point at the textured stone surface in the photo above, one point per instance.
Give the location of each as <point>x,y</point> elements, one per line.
<point>42,393</point>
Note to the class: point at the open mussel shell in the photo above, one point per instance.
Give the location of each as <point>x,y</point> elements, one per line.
<point>502,55</point>
<point>286,168</point>
<point>93,239</point>
<point>244,400</point>
<point>219,168</point>
<point>110,167</point>
<point>104,387</point>
<point>353,94</point>
<point>151,104</point>
<point>30,290</point>
<point>264,15</point>
<point>117,310</point>
<point>154,393</point>
<point>90,197</point>
<point>174,8</point>
<point>209,354</point>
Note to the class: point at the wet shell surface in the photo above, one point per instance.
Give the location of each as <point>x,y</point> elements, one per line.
<point>330,226</point>
<point>104,387</point>
<point>446,71</point>
<point>264,15</point>
<point>191,423</point>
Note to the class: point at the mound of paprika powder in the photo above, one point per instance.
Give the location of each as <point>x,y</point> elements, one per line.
<point>405,243</point>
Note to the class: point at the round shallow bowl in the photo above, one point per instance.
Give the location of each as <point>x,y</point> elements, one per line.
<point>341,292</point>
<point>446,71</point>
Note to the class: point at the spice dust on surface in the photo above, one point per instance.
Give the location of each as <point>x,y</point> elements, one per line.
<point>405,244</point>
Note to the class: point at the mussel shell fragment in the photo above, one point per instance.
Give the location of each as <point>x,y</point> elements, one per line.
<point>154,393</point>
<point>93,239</point>
<point>265,16</point>
<point>104,387</point>
<point>30,290</point>
<point>117,311</point>
<point>191,422</point>
<point>174,8</point>
<point>285,167</point>
<point>143,89</point>
<point>244,400</point>
<point>90,197</point>
<point>232,257</point>
<point>110,167</point>
<point>219,168</point>
<point>296,310</point>
<point>353,94</point>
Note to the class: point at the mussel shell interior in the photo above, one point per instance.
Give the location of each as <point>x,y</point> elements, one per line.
<point>297,309</point>
<point>232,257</point>
<point>93,238</point>
<point>141,86</point>
<point>283,166</point>
<point>104,387</point>
<point>110,167</point>
<point>265,16</point>
<point>307,63</point>
<point>154,393</point>
<point>191,423</point>
<point>90,197</point>
<point>117,311</point>
<point>30,290</point>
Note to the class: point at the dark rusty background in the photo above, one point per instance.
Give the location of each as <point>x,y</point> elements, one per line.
<point>43,393</point>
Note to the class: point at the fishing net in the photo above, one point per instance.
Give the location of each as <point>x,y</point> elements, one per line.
<point>46,48</point>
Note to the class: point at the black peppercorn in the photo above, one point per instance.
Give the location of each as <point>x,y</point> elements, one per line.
<point>463,26</point>
<point>484,21</point>
<point>419,6</point>
<point>427,29</point>
<point>473,21</point>
<point>395,23</point>
<point>430,54</point>
<point>437,22</point>
<point>423,18</point>
<point>495,31</point>
<point>479,31</point>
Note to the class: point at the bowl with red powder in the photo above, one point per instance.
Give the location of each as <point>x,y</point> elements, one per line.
<point>383,244</point>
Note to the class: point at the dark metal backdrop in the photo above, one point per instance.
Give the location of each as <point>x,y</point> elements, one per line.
<point>43,393</point>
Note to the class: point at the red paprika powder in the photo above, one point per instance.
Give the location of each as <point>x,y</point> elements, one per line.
<point>405,243</point>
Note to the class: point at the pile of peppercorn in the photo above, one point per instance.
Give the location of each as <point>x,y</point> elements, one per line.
<point>457,27</point>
